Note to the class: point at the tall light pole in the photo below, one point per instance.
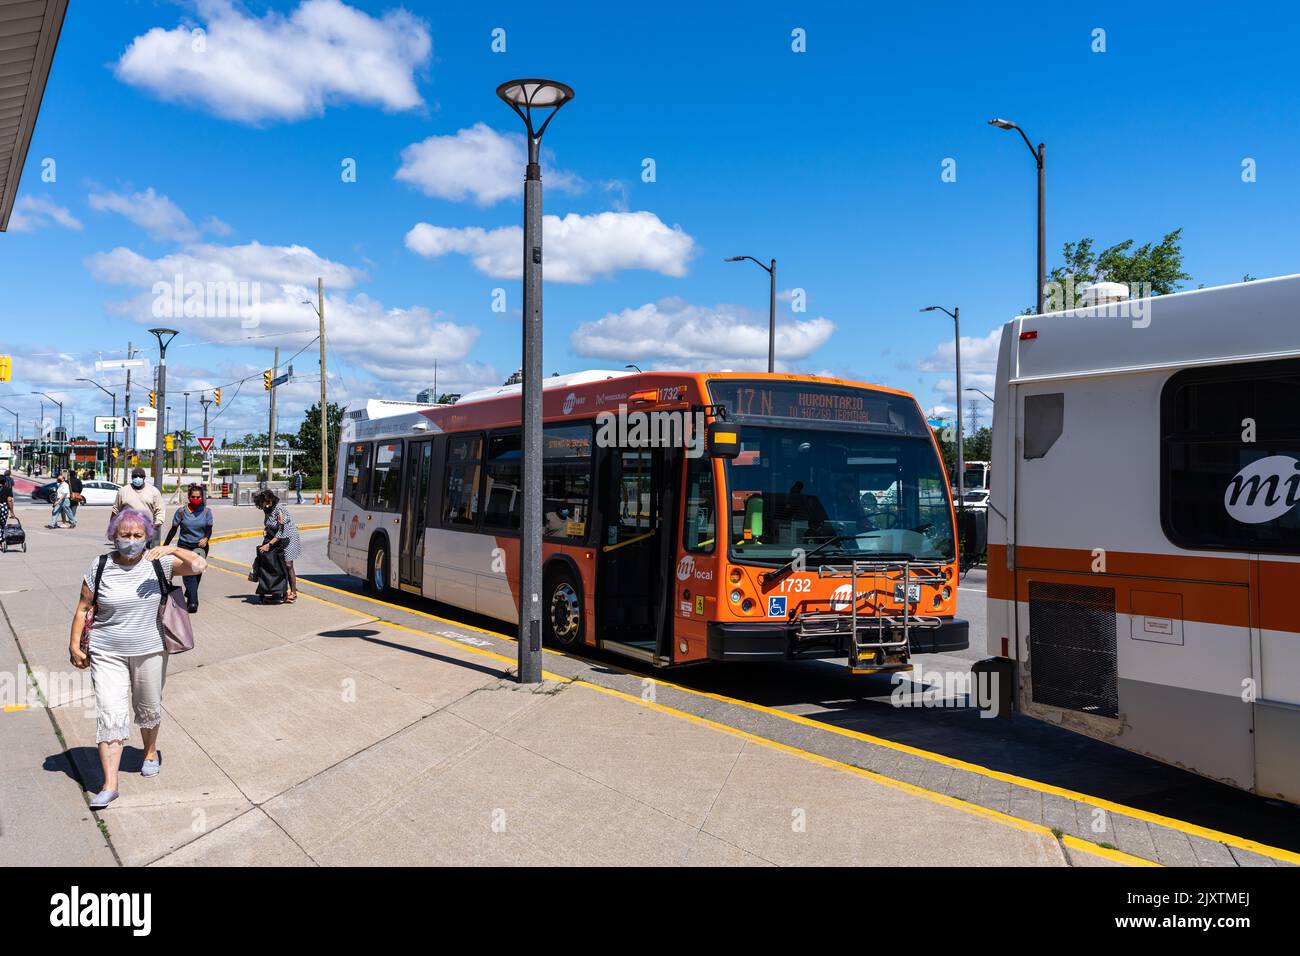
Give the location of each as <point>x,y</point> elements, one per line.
<point>1038,155</point>
<point>771,306</point>
<point>164,337</point>
<point>324,408</point>
<point>961,431</point>
<point>108,466</point>
<point>61,431</point>
<point>971,388</point>
<point>524,96</point>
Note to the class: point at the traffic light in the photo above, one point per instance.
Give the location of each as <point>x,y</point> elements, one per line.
<point>216,394</point>
<point>266,380</point>
<point>153,399</point>
<point>6,368</point>
<point>169,442</point>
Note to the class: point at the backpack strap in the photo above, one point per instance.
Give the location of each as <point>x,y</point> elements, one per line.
<point>163,584</point>
<point>99,573</point>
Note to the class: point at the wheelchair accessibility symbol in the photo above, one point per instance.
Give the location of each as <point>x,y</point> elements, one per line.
<point>776,606</point>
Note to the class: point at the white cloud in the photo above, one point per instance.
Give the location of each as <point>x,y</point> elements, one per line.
<point>36,212</point>
<point>477,163</point>
<point>394,345</point>
<point>577,248</point>
<point>672,332</point>
<point>155,214</point>
<point>979,364</point>
<point>281,67</point>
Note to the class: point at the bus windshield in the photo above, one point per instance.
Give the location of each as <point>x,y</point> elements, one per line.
<point>793,487</point>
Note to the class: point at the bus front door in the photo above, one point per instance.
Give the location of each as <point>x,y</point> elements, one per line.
<point>415,504</point>
<point>636,551</point>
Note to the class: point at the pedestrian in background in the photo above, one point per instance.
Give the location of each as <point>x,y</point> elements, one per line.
<point>6,497</point>
<point>124,649</point>
<point>142,497</point>
<point>297,484</point>
<point>75,488</point>
<point>282,534</point>
<point>194,523</point>
<point>61,510</point>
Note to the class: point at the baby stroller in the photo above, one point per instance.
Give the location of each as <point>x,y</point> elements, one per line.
<point>13,535</point>
<point>271,574</point>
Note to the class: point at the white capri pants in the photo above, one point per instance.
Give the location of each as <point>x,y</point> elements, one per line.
<point>119,680</point>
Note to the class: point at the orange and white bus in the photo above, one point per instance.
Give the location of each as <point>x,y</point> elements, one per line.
<point>817,522</point>
<point>1144,527</point>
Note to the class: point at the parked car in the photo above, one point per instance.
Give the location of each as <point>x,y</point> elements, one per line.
<point>95,492</point>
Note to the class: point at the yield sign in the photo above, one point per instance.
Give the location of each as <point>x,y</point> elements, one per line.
<point>205,443</point>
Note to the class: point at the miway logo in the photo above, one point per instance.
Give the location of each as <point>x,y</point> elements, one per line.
<point>1263,490</point>
<point>74,908</point>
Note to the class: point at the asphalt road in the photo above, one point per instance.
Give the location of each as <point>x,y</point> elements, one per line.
<point>825,691</point>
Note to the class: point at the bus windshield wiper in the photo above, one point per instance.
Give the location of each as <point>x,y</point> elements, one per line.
<point>772,577</point>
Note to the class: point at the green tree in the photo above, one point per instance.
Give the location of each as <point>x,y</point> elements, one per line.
<point>1154,266</point>
<point>308,440</point>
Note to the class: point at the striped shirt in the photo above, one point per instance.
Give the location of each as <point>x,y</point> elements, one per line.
<point>126,617</point>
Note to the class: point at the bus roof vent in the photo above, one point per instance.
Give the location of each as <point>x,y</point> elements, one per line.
<point>1103,293</point>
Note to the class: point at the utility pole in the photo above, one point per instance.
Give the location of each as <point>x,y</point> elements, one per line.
<point>270,428</point>
<point>184,443</point>
<point>127,410</point>
<point>207,455</point>
<point>324,407</point>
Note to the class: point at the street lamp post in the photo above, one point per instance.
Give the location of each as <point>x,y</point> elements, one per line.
<point>1038,155</point>
<point>955,315</point>
<point>164,337</point>
<point>771,306</point>
<point>112,442</point>
<point>523,96</point>
<point>61,431</point>
<point>970,388</point>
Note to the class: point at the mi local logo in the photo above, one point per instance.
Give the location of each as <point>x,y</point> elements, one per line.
<point>572,401</point>
<point>686,570</point>
<point>842,597</point>
<point>1263,490</point>
<point>75,908</point>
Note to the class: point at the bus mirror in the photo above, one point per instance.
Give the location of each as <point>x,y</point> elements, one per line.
<point>724,440</point>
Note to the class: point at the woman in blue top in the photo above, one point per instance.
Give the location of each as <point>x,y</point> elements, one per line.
<point>195,526</point>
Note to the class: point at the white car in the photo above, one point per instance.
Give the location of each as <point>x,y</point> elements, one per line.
<point>99,492</point>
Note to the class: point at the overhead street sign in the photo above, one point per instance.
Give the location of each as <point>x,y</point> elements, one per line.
<point>120,363</point>
<point>280,379</point>
<point>111,424</point>
<point>205,443</point>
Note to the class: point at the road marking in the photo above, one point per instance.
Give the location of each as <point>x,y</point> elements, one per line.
<point>1192,829</point>
<point>995,816</point>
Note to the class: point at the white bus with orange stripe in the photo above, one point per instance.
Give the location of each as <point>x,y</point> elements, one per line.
<point>1144,527</point>
<point>822,528</point>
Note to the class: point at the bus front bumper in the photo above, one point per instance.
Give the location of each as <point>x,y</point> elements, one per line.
<point>776,641</point>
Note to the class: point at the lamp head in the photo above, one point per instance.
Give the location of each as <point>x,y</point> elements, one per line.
<point>1002,123</point>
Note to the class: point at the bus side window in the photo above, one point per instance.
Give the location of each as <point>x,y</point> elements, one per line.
<point>460,480</point>
<point>566,481</point>
<point>386,486</point>
<point>504,469</point>
<point>699,529</point>
<point>357,478</point>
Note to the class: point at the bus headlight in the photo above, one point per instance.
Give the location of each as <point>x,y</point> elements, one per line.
<point>736,596</point>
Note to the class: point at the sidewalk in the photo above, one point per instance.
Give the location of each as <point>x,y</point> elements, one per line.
<point>315,734</point>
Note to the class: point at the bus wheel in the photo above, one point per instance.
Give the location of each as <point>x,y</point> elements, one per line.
<point>562,623</point>
<point>377,573</point>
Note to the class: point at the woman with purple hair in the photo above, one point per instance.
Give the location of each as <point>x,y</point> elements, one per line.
<point>125,652</point>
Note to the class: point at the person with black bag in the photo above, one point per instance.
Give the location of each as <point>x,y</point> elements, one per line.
<point>280,547</point>
<point>118,632</point>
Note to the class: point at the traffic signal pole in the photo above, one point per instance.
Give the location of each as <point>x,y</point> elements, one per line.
<point>270,428</point>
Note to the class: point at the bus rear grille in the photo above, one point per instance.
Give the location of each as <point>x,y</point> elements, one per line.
<point>1072,647</point>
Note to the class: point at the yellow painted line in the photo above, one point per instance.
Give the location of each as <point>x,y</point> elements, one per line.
<point>954,803</point>
<point>253,533</point>
<point>14,708</point>
<point>1192,829</point>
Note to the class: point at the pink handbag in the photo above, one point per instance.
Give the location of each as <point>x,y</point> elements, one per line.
<point>173,615</point>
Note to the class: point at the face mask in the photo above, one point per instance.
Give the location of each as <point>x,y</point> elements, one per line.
<point>137,482</point>
<point>195,503</point>
<point>130,548</point>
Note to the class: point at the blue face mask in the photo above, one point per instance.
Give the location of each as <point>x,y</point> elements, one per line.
<point>130,548</point>
<point>137,482</point>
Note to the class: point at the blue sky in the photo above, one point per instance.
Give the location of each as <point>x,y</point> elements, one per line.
<point>830,160</point>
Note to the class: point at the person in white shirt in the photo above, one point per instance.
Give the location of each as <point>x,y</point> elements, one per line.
<point>62,510</point>
<point>142,497</point>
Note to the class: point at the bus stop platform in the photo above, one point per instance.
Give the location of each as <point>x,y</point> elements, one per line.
<point>318,734</point>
